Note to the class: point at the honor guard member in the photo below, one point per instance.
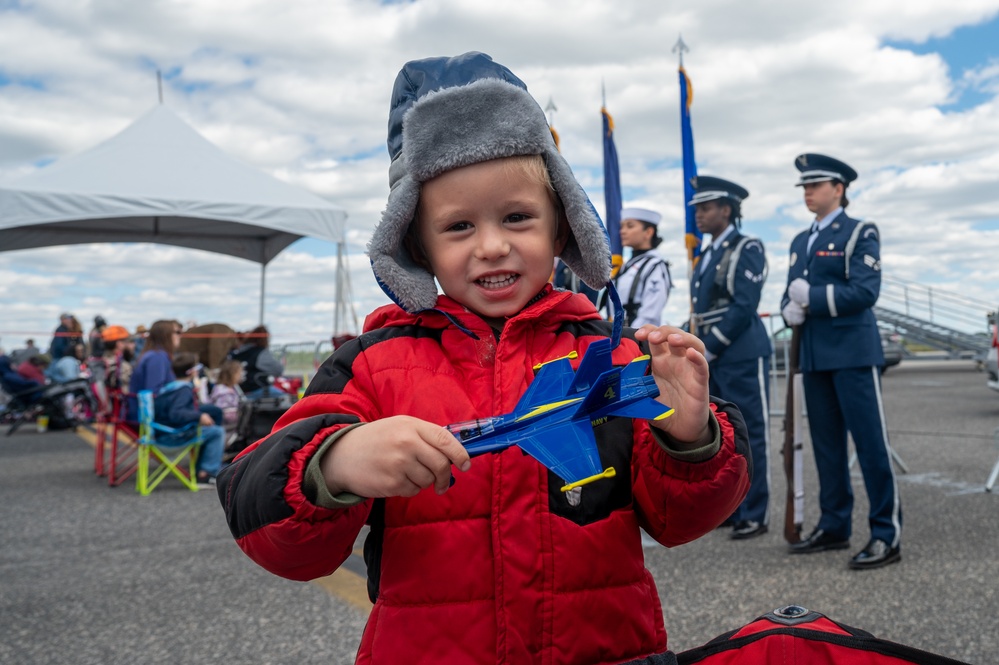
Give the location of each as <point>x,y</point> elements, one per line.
<point>725,293</point>
<point>833,282</point>
<point>644,281</point>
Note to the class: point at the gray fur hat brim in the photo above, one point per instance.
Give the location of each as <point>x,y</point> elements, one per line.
<point>462,125</point>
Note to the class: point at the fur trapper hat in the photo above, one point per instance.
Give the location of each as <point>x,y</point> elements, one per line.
<point>452,112</point>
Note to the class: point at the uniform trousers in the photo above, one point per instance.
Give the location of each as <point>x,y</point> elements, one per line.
<point>747,384</point>
<point>845,400</point>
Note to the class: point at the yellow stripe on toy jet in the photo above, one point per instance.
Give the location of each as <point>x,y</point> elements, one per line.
<point>665,415</point>
<point>572,355</point>
<point>608,473</point>
<point>545,408</point>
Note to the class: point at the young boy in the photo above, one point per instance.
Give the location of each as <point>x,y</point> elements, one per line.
<point>499,567</point>
<point>176,407</point>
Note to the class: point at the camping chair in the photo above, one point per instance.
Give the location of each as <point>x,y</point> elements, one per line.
<point>116,455</point>
<point>102,427</point>
<point>171,456</point>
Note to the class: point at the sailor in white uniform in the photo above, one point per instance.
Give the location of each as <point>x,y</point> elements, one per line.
<point>644,281</point>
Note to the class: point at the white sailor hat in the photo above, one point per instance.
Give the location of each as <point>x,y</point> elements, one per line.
<point>643,215</point>
<point>709,188</point>
<point>821,168</point>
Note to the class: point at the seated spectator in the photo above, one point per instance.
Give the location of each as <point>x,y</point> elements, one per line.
<point>176,407</point>
<point>153,368</point>
<point>141,333</point>
<point>15,384</point>
<point>68,333</point>
<point>119,352</point>
<point>67,368</point>
<point>226,394</point>
<point>18,356</point>
<point>259,365</point>
<point>34,368</point>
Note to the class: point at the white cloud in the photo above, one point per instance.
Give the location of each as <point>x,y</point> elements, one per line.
<point>301,90</point>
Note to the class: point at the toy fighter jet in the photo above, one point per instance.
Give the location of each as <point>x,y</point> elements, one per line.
<point>554,420</point>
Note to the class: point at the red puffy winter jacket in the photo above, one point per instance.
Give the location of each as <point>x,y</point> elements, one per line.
<point>501,568</point>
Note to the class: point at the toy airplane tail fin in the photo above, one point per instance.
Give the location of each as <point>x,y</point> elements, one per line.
<point>595,362</point>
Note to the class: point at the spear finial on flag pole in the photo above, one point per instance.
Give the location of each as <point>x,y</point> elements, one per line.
<point>550,109</point>
<point>680,47</point>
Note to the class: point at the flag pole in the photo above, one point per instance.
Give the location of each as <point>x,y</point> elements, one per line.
<point>692,236</point>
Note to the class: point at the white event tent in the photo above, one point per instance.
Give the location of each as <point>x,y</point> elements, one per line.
<point>160,181</point>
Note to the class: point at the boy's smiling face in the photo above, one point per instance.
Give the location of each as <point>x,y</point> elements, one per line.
<point>490,233</point>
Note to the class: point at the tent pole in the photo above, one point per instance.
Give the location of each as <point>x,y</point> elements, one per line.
<point>263,283</point>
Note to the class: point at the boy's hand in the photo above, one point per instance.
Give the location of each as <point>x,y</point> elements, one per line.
<point>397,456</point>
<point>681,372</point>
<point>206,420</point>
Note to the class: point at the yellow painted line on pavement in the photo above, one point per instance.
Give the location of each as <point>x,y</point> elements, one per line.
<point>87,435</point>
<point>347,586</point>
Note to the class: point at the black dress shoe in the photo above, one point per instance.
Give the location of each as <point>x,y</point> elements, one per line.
<point>818,541</point>
<point>744,529</point>
<point>877,553</point>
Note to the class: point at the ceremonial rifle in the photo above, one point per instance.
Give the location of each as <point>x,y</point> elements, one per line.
<point>793,450</point>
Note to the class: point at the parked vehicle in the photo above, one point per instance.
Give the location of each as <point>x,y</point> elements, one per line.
<point>891,345</point>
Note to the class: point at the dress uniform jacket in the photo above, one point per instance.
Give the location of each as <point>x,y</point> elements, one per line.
<point>725,295</point>
<point>844,271</point>
<point>644,284</point>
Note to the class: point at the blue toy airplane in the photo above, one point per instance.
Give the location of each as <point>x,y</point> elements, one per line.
<point>554,420</point>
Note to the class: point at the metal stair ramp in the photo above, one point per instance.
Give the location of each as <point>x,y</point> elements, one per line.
<point>952,323</point>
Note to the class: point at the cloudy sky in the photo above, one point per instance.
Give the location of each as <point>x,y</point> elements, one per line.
<point>906,91</point>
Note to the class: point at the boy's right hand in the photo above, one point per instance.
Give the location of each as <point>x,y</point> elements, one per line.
<point>396,456</point>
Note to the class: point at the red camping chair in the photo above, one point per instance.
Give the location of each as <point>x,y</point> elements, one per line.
<point>116,454</point>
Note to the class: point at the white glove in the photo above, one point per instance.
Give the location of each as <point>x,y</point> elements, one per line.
<point>709,356</point>
<point>798,291</point>
<point>794,314</point>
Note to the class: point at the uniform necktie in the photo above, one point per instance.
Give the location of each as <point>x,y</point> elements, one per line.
<point>705,259</point>
<point>812,236</point>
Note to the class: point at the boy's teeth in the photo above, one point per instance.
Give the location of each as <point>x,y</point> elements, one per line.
<point>497,281</point>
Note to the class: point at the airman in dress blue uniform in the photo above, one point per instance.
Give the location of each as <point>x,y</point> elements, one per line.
<point>725,293</point>
<point>833,282</point>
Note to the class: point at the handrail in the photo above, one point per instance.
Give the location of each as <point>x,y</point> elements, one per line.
<point>935,305</point>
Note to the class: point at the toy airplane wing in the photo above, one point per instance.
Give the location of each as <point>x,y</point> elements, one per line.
<point>570,451</point>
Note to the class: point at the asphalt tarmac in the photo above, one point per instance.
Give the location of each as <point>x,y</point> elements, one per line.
<point>92,574</point>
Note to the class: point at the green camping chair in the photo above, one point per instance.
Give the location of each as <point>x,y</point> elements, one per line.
<point>170,456</point>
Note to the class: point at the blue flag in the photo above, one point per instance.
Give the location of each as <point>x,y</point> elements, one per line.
<point>612,192</point>
<point>693,235</point>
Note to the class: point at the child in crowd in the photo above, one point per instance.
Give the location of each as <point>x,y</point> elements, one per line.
<point>226,393</point>
<point>119,352</point>
<point>34,368</point>
<point>502,566</point>
<point>176,407</point>
<point>68,367</point>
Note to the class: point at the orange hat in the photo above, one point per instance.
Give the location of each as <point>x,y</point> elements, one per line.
<point>114,334</point>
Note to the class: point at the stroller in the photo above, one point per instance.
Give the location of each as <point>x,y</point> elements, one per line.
<point>256,419</point>
<point>66,404</point>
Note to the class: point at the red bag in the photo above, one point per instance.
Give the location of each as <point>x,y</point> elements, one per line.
<point>793,635</point>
